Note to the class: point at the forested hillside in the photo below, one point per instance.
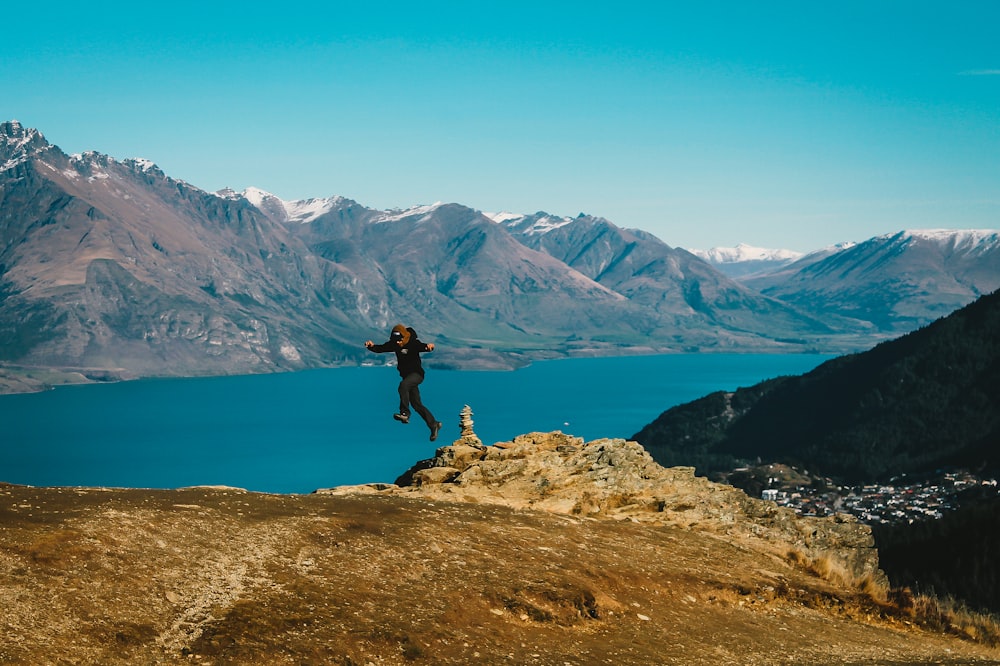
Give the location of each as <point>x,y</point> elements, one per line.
<point>928,399</point>
<point>954,556</point>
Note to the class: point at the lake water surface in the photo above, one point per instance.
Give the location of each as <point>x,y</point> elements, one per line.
<point>296,432</point>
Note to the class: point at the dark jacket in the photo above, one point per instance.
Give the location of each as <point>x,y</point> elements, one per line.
<point>407,354</point>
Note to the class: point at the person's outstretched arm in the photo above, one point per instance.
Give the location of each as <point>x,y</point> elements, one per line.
<point>379,349</point>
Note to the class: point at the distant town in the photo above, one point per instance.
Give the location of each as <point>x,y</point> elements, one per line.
<point>902,500</point>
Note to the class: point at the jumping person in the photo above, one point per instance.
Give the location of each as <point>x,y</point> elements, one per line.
<point>403,341</point>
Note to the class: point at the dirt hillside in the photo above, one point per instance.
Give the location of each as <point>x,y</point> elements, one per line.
<point>370,576</point>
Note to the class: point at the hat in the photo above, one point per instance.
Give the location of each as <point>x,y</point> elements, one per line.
<point>399,332</point>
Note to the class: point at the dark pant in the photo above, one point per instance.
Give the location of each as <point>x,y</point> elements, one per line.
<point>409,394</point>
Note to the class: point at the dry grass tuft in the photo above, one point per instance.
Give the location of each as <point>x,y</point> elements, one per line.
<point>950,615</point>
<point>926,610</point>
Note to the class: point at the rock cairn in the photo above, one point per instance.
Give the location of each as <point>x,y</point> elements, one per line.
<point>466,434</point>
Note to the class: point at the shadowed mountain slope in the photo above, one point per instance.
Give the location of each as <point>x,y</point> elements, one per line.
<point>928,399</point>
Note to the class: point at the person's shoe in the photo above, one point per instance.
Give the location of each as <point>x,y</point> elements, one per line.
<point>402,418</point>
<point>435,429</point>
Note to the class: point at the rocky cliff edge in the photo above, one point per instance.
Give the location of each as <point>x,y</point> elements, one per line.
<point>618,479</point>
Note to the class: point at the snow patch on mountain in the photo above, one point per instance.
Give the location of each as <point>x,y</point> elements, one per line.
<point>257,196</point>
<point>416,211</point>
<point>503,217</point>
<point>142,164</point>
<point>548,223</point>
<point>13,162</point>
<point>302,211</point>
<point>536,225</point>
<point>743,252</point>
<point>956,239</point>
<point>307,210</point>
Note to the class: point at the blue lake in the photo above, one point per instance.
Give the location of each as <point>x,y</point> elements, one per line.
<point>296,432</point>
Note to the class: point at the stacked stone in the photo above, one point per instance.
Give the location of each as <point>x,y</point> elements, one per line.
<point>467,434</point>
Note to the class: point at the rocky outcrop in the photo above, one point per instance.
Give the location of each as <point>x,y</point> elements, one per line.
<point>618,479</point>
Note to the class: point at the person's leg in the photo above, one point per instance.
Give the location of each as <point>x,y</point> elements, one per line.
<point>418,405</point>
<point>409,395</point>
<point>405,388</point>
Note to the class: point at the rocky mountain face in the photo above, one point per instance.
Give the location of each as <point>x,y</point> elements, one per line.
<point>671,282</point>
<point>925,401</point>
<point>112,267</point>
<point>449,269</point>
<point>897,282</point>
<point>547,550</point>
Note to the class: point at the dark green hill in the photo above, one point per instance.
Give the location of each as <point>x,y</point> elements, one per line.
<point>926,400</point>
<point>954,556</point>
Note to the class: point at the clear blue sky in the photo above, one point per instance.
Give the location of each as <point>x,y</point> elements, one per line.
<point>778,124</point>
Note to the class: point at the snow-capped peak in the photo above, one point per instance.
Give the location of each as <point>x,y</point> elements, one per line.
<point>307,210</point>
<point>142,164</point>
<point>19,144</point>
<point>302,211</point>
<point>416,211</point>
<point>15,136</point>
<point>505,216</point>
<point>532,225</point>
<point>954,238</point>
<point>743,252</point>
<point>257,196</point>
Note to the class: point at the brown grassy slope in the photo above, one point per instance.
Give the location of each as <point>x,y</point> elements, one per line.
<point>223,576</point>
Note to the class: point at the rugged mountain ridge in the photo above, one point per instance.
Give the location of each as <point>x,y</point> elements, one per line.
<point>113,267</point>
<point>898,281</point>
<point>672,282</point>
<point>926,400</point>
<point>450,268</point>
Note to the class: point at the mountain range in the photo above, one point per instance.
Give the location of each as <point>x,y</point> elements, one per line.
<point>898,282</point>
<point>111,268</point>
